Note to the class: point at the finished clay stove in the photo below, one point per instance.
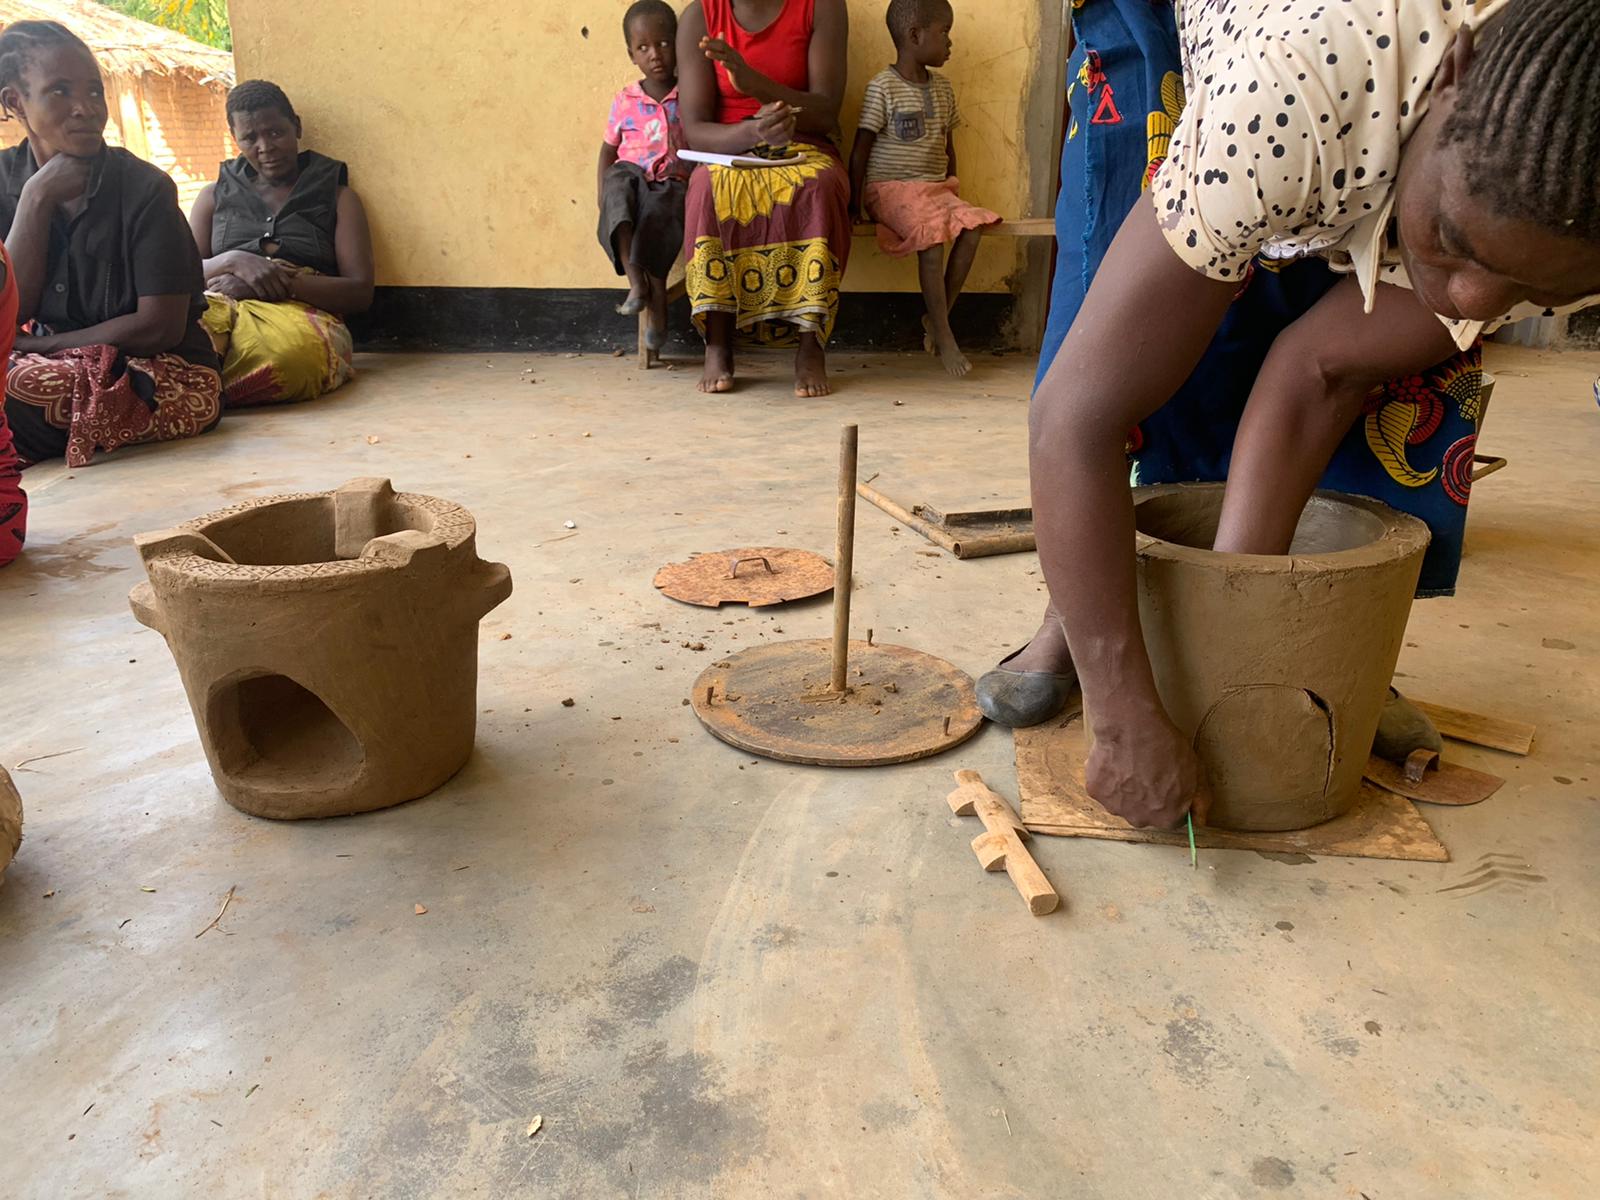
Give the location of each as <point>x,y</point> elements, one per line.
<point>1277,667</point>
<point>328,643</point>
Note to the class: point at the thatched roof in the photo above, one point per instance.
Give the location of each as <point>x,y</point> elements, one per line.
<point>124,45</point>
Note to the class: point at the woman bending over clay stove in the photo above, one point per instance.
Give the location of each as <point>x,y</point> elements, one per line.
<point>110,352</point>
<point>1442,160</point>
<point>287,257</point>
<point>765,248</point>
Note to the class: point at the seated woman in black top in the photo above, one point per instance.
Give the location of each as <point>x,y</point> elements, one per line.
<point>110,351</point>
<point>287,256</point>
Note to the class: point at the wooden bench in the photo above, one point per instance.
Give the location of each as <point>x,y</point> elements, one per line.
<point>1024,227</point>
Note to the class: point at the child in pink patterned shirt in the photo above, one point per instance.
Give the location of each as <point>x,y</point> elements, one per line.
<point>642,183</point>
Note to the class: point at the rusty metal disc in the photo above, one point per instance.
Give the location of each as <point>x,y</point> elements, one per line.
<point>775,701</point>
<point>756,575</point>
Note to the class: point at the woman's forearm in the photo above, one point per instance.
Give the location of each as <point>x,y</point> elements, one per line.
<point>28,244</point>
<point>139,334</point>
<point>332,293</point>
<point>221,264</point>
<point>819,113</point>
<point>712,137</point>
<point>1115,368</point>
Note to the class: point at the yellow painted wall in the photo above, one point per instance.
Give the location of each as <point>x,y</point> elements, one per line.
<point>472,129</point>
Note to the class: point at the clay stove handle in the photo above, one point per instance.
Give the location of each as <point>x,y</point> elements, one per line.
<point>733,571</point>
<point>145,609</point>
<point>494,587</point>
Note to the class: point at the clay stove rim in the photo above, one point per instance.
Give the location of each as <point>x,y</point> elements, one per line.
<point>453,525</point>
<point>1402,535</point>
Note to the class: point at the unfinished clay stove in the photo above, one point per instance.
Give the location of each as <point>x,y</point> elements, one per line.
<point>1277,667</point>
<point>10,822</point>
<point>328,643</point>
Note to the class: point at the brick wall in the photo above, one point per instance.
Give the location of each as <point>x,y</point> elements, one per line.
<point>172,121</point>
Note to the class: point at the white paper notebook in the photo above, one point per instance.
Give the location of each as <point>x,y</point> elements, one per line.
<point>738,160</point>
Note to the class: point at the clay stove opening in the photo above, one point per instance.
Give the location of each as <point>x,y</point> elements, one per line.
<point>270,729</point>
<point>293,532</point>
<point>1190,518</point>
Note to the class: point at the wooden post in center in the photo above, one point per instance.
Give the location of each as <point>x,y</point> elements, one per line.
<point>844,558</point>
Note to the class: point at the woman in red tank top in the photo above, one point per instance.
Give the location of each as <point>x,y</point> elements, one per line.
<point>765,248</point>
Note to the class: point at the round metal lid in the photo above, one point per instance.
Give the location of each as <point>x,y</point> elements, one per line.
<point>776,701</point>
<point>759,576</point>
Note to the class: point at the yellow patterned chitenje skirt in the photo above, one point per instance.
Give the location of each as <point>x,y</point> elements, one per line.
<point>768,245</point>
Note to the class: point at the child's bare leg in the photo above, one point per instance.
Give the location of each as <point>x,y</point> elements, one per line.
<point>718,376</point>
<point>638,281</point>
<point>930,264</point>
<point>962,255</point>
<point>655,333</point>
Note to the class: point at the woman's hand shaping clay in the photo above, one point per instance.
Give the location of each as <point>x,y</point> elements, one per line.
<point>1147,773</point>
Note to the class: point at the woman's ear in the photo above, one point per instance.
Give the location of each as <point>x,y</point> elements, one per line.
<point>1456,61</point>
<point>10,102</point>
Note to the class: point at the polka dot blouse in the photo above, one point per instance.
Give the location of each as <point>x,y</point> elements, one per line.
<point>1290,142</point>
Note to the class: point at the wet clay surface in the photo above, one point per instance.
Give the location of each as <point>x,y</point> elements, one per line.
<point>769,981</point>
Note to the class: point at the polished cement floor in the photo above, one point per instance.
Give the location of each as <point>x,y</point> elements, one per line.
<point>712,975</point>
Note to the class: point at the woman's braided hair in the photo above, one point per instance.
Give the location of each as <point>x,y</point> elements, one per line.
<point>23,39</point>
<point>1527,119</point>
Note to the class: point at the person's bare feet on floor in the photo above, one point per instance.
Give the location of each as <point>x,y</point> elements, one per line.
<point>718,375</point>
<point>811,368</point>
<point>954,361</point>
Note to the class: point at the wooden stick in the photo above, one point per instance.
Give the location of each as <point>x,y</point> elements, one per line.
<point>1514,737</point>
<point>844,557</point>
<point>1000,846</point>
<point>216,920</point>
<point>972,545</point>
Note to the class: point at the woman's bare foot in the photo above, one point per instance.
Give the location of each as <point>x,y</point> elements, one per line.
<point>718,375</point>
<point>632,305</point>
<point>811,368</point>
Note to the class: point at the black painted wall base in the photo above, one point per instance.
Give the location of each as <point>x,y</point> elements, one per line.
<point>584,320</point>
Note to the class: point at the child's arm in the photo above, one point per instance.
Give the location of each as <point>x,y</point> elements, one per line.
<point>950,152</point>
<point>608,159</point>
<point>860,155</point>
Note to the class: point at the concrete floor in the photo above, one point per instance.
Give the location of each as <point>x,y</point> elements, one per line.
<point>713,976</point>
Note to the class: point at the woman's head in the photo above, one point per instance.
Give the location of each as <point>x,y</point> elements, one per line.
<point>266,129</point>
<point>50,82</point>
<point>921,28</point>
<point>1498,199</point>
<point>651,30</point>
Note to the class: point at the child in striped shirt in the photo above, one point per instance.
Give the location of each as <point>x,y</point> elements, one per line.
<point>903,168</point>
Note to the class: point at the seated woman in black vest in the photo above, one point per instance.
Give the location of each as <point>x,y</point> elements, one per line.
<point>109,351</point>
<point>287,257</point>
